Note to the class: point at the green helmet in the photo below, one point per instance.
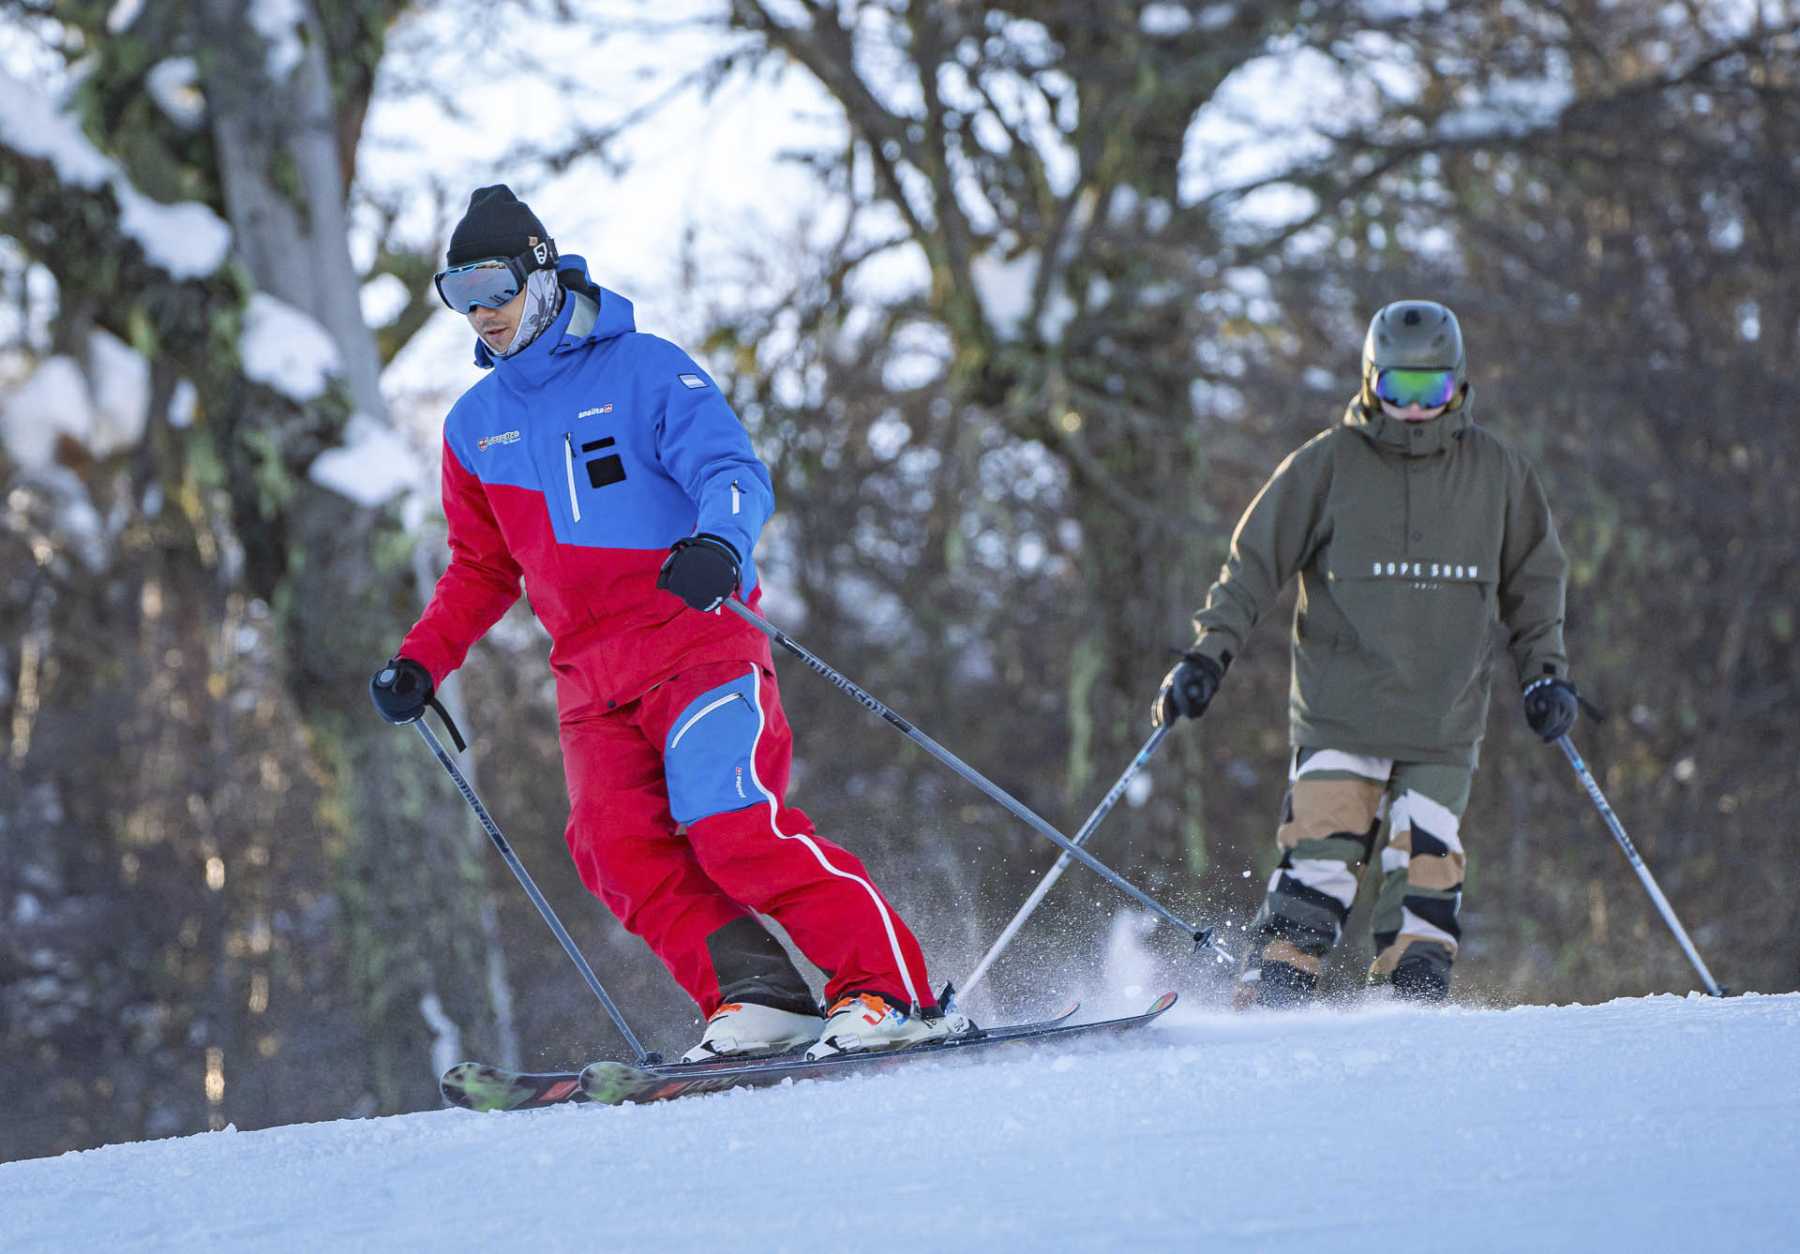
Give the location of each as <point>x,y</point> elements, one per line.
<point>1413,335</point>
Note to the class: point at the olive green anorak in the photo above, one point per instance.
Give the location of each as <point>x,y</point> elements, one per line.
<point>1411,540</point>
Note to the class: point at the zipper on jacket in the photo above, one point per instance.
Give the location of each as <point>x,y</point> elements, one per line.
<point>734,496</point>
<point>688,726</point>
<point>569,470</point>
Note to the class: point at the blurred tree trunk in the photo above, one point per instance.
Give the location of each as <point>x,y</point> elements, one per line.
<point>290,889</point>
<point>413,879</point>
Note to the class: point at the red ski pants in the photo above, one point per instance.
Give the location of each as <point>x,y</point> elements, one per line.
<point>709,750</point>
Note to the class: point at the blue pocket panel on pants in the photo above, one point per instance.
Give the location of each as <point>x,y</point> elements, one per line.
<point>707,759</point>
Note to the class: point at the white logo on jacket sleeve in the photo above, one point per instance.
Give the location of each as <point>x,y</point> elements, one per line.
<point>692,380</point>
<point>487,442</point>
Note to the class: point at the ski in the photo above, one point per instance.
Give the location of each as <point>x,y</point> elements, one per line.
<point>621,1083</point>
<point>481,1086</point>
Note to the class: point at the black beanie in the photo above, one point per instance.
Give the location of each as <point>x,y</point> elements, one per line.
<point>498,224</point>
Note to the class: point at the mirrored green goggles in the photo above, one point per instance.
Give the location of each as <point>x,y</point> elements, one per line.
<point>1425,388</point>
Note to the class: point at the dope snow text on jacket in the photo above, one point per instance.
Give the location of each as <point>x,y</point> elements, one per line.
<point>1410,541</point>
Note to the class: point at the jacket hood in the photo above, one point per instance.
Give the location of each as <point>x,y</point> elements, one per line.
<point>590,313</point>
<point>1413,439</point>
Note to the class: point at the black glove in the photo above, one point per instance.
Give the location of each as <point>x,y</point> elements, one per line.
<point>1551,705</point>
<point>1187,689</point>
<point>401,690</point>
<point>702,570</point>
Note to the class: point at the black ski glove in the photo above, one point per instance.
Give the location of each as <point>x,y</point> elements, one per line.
<point>1551,705</point>
<point>1187,689</point>
<point>401,690</point>
<point>702,570</point>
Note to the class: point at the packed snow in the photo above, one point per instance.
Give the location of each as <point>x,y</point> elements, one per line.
<point>1660,1123</point>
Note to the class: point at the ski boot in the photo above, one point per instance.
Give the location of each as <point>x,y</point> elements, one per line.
<point>866,1021</point>
<point>743,1027</point>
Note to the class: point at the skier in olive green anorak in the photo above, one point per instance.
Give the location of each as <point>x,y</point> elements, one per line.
<point>1412,531</point>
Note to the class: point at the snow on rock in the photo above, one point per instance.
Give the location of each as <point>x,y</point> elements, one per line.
<point>1658,1123</point>
<point>53,402</point>
<point>103,409</point>
<point>188,240</point>
<point>31,124</point>
<point>174,85</point>
<point>373,467</point>
<point>119,380</point>
<point>285,349</point>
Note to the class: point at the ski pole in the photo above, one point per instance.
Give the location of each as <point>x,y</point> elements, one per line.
<point>531,890</point>
<point>1062,863</point>
<point>1637,864</point>
<point>1203,937</point>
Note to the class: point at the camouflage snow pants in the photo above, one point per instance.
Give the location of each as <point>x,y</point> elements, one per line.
<point>1336,806</point>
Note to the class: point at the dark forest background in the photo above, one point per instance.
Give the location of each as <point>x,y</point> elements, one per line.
<point>229,894</point>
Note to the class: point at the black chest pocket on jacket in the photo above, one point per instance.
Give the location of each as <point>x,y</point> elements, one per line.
<point>603,471</point>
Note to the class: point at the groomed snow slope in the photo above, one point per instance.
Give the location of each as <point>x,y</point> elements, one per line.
<point>1661,1123</point>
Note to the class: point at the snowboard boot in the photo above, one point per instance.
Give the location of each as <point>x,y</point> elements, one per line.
<point>1284,986</point>
<point>1422,975</point>
<point>1279,977</point>
<point>866,1021</point>
<point>743,1027</point>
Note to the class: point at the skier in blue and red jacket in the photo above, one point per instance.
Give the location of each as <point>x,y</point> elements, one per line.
<point>603,467</point>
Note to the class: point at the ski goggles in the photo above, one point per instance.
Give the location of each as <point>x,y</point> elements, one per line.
<point>492,281</point>
<point>1425,388</point>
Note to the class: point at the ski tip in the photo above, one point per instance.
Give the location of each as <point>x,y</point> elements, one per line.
<point>483,1087</point>
<point>611,1083</point>
<point>469,1085</point>
<point>1163,1003</point>
<point>460,1075</point>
